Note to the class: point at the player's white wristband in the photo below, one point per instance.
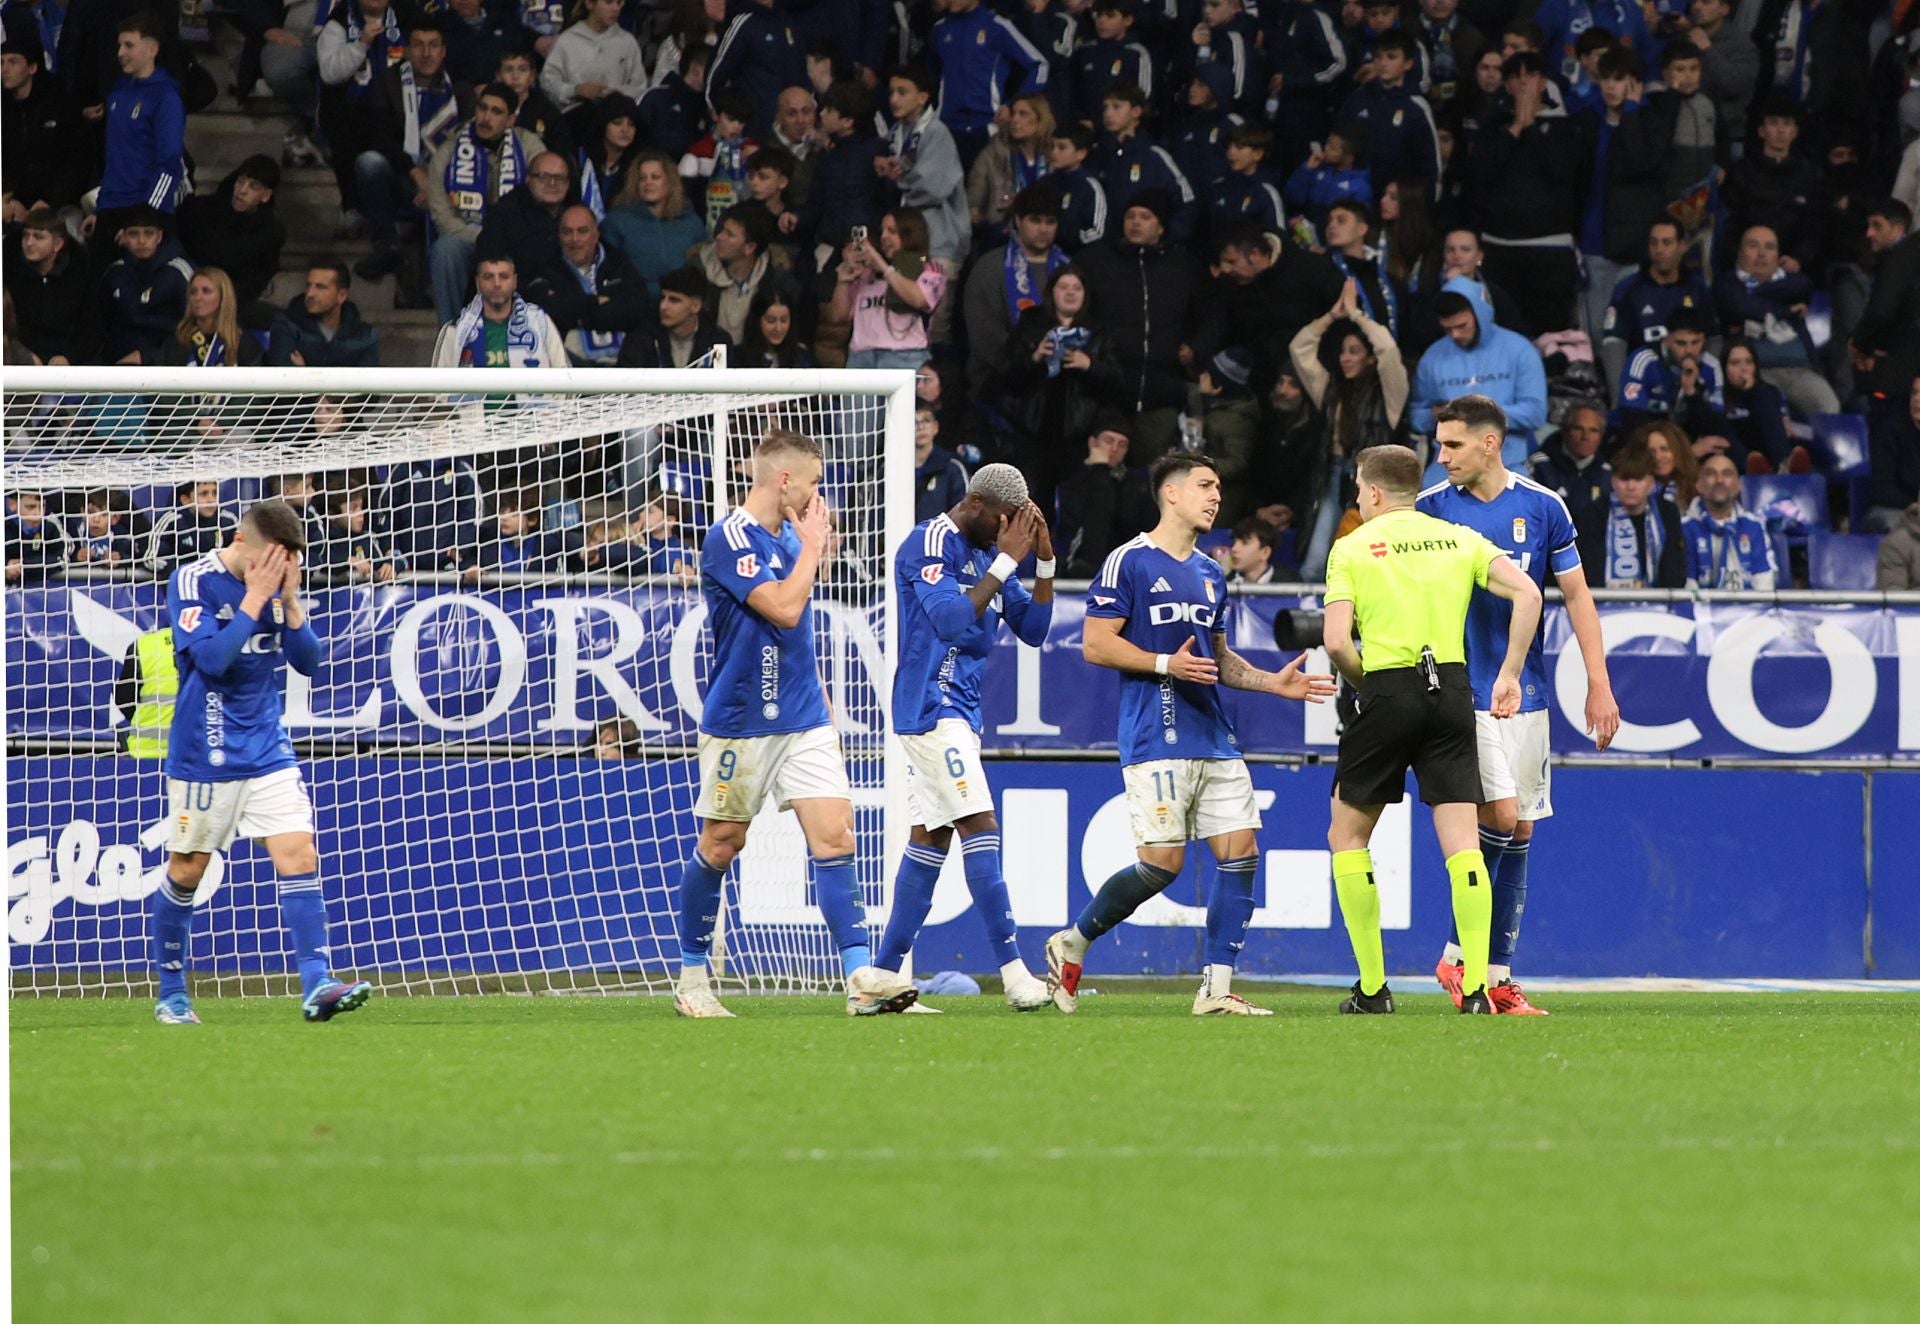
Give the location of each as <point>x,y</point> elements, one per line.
<point>1161,661</point>
<point>1043,569</point>
<point>1002,568</point>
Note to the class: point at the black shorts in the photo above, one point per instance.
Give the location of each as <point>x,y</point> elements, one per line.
<point>1403,724</point>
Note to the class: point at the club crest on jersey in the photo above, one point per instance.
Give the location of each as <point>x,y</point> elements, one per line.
<point>747,566</point>
<point>930,573</point>
<point>1519,528</point>
<point>1207,584</point>
<point>190,618</point>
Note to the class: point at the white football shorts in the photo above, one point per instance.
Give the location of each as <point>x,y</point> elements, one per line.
<point>946,781</point>
<point>1515,762</point>
<point>1178,800</point>
<point>207,816</point>
<point>738,773</point>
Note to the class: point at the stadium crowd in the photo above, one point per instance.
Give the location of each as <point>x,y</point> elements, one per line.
<point>1674,241</point>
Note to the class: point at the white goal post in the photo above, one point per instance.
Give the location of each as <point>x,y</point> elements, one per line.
<point>498,739</point>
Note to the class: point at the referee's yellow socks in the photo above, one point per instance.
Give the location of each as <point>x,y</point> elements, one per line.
<point>1472,914</point>
<point>1360,906</point>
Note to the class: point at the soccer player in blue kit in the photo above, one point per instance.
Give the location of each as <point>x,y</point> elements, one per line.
<point>237,618</point>
<point>1531,525</point>
<point>765,730</point>
<point>1158,614</point>
<point>954,577</point>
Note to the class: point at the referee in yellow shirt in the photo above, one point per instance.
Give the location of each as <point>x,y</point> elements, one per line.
<point>1406,579</point>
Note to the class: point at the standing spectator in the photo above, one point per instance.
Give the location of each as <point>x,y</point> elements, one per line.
<point>36,547</point>
<point>193,527</point>
<point>1227,39</point>
<point>759,56</point>
<point>499,329</point>
<point>1247,193</point>
<point>110,533</point>
<point>479,35</point>
<point>1886,336</point>
<point>1729,66</point>
<point>427,516</point>
<point>889,289</point>
<point>939,479</point>
<point>1782,189</point>
<point>1155,300</point>
<point>737,261</point>
<point>976,51</point>
<point>594,296</point>
<point>673,113</point>
<point>1114,56</point>
<point>769,188</point>
<point>525,224</point>
<point>773,335</point>
<point>1894,464</point>
<point>1682,116</point>
<point>1011,162</point>
<point>146,133</point>
<point>1759,298</point>
<point>1563,21</point>
<point>1727,544</point>
<point>44,152</point>
<point>593,57</point>
<point>238,227</point>
<point>1632,540</point>
<point>1401,143</point>
<point>1083,198</point>
<point>1819,62</point>
<point>55,293</point>
<point>483,161</point>
<point>1197,138</point>
<point>1756,428</point>
<point>1052,377</point>
<point>1349,228</point>
<point>360,41</point>
<point>1250,555</point>
<point>1896,568</point>
<point>924,165</point>
<point>145,292</point>
<point>1331,174</point>
<point>533,109</point>
<point>1130,163</point>
<point>1053,28</point>
<point>684,336</point>
<point>1677,379</point>
<point>796,131</point>
<point>347,551</point>
<point>845,189</point>
<point>1268,290</point>
<point>1526,171</point>
<point>715,167</point>
<point>1643,301</point>
<point>1476,354</point>
<point>322,327</point>
<point>413,109</point>
<point>1005,284</point>
<point>1623,189</point>
<point>1453,47</point>
<point>1570,462</point>
<point>209,334</point>
<point>1104,503</point>
<point>652,223</point>
<point>1308,62</point>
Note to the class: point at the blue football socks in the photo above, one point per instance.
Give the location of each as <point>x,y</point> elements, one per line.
<point>981,854</point>
<point>304,911</point>
<point>172,926</point>
<point>912,898</point>
<point>1120,896</point>
<point>837,891</point>
<point>1509,902</point>
<point>700,886</point>
<point>1230,909</point>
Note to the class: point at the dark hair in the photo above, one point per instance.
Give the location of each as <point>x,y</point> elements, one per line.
<point>826,48</point>
<point>1451,303</point>
<point>687,281</point>
<point>919,75</point>
<point>1621,62</point>
<point>183,491</point>
<point>1258,137</point>
<point>1039,198</point>
<point>777,159</point>
<point>1633,460</point>
<point>1256,528</point>
<point>754,346</point>
<point>512,500</point>
<point>1355,207</point>
<point>1111,420</point>
<point>278,522</point>
<point>911,222</point>
<point>341,497</point>
<point>1130,93</point>
<point>1354,134</point>
<point>849,100</point>
<point>502,93</point>
<point>1594,39</point>
<point>46,220</point>
<point>1085,315</point>
<point>1532,33</point>
<point>754,218</point>
<point>1677,51</point>
<point>1122,7</point>
<point>1658,221</point>
<point>1888,209</point>
<point>1244,237</point>
<point>1696,320</point>
<point>733,103</point>
<point>696,53</point>
<point>1391,466</point>
<point>342,273</point>
<point>1076,133</point>
<point>144,24</point>
<point>1523,62</point>
<point>1394,41</point>
<point>1177,464</point>
<point>1480,413</point>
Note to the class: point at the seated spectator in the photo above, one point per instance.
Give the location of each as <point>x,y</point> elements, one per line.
<point>348,551</point>
<point>1131,163</point>
<point>684,335</point>
<point>1727,544</point>
<point>1289,464</point>
<point>1365,406</point>
<point>511,542</point>
<point>1247,193</point>
<point>714,168</point>
<point>888,289</point>
<point>1676,469</point>
<point>146,128</point>
<point>525,224</point>
<point>193,527</point>
<point>145,292</point>
<point>359,42</point>
<point>922,162</point>
<point>769,183</point>
<point>1525,175</point>
<point>846,189</point>
<point>1569,462</point>
<point>611,146</point>
<point>653,545</point>
<point>773,334</point>
<point>1756,418</point>
<point>1896,568</point>
<point>1083,198</point>
<point>594,296</point>
<point>939,479</point>
<point>36,547</point>
<point>302,492</point>
<point>1475,353</point>
<point>237,228</point>
<point>1760,299</point>
<point>477,166</point>
<point>1676,378</point>
<point>1103,503</point>
<point>796,131</point>
<point>322,328</point>
<point>1007,282</point>
<point>1460,256</point>
<point>111,533</point>
<point>45,155</point>
<point>651,224</point>
<point>1643,300</point>
<point>533,110</point>
<point>499,329</point>
<point>1632,540</point>
<point>1893,461</point>
<point>1250,555</point>
<point>673,113</point>
<point>1408,253</point>
<point>1011,162</point>
<point>1780,189</point>
<point>55,292</point>
<point>591,58</point>
<point>962,429</point>
<point>739,258</point>
<point>209,334</point>
<point>618,738</point>
<point>410,114</point>
<point>427,515</point>
<point>1333,173</point>
<point>1055,375</point>
<point>1229,417</point>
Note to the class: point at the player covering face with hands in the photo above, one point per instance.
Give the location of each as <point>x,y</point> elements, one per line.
<point>237,619</point>
<point>1159,615</point>
<point>956,578</point>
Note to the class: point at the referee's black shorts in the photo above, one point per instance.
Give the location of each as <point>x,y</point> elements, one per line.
<point>1404,724</point>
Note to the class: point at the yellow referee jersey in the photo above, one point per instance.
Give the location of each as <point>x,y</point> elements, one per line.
<point>1410,578</point>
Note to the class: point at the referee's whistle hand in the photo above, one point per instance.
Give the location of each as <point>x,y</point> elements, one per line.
<point>1183,665</point>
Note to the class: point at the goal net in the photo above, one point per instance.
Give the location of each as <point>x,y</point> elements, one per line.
<point>499,739</point>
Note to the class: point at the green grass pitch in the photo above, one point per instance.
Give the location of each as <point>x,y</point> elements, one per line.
<point>1633,1157</point>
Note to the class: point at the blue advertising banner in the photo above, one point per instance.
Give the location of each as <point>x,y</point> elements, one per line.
<point>413,663</point>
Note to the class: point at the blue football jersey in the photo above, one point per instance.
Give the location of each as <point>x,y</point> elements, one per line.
<point>1165,602</point>
<point>1531,525</point>
<point>227,715</point>
<point>766,681</point>
<point>943,645</point>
